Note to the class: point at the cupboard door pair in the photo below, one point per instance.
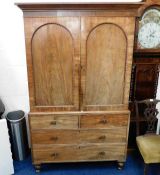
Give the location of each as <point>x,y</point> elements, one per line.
<point>79,63</point>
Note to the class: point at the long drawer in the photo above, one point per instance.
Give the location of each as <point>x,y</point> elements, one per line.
<point>104,121</point>
<point>54,121</point>
<point>115,135</point>
<point>70,153</point>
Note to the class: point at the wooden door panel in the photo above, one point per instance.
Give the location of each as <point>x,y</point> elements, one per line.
<point>54,57</point>
<point>106,58</point>
<point>52,52</point>
<point>105,73</point>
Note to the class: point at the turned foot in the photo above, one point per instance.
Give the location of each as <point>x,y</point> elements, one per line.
<point>38,168</point>
<point>120,165</point>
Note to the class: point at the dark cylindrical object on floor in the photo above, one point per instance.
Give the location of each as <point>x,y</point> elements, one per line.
<point>18,134</point>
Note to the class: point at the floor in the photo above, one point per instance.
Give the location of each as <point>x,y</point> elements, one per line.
<point>133,166</point>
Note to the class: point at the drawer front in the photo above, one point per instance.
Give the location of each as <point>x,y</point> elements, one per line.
<point>53,122</point>
<point>54,137</point>
<point>79,153</point>
<point>104,121</point>
<point>117,135</point>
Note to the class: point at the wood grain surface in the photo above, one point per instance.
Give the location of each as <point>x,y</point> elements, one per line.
<point>53,59</point>
<point>92,152</point>
<point>106,59</point>
<point>79,61</point>
<point>103,121</point>
<point>52,53</point>
<point>114,135</point>
<point>54,122</point>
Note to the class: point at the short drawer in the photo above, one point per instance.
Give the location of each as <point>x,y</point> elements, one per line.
<point>104,121</point>
<point>71,153</point>
<point>108,136</point>
<point>53,122</point>
<point>118,135</point>
<point>54,136</point>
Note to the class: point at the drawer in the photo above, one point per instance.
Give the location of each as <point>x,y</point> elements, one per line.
<point>71,153</point>
<point>118,135</point>
<point>54,137</point>
<point>53,122</point>
<point>104,121</point>
<point>101,152</point>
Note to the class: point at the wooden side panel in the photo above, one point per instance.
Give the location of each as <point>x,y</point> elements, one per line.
<point>53,59</point>
<point>106,59</point>
<point>52,53</point>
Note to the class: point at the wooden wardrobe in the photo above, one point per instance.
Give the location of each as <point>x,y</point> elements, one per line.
<point>79,59</point>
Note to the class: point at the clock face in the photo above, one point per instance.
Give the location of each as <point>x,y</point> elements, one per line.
<point>149,30</point>
<point>149,35</point>
<point>151,14</point>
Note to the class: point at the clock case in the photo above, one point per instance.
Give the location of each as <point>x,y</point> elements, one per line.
<point>150,4</point>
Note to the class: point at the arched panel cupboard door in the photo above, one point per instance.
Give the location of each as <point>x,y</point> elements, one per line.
<point>106,59</point>
<point>53,56</point>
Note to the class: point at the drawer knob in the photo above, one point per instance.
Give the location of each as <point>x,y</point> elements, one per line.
<point>54,138</point>
<point>102,137</point>
<point>53,123</point>
<point>102,153</point>
<point>103,121</point>
<point>54,155</point>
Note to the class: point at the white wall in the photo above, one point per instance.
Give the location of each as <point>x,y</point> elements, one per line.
<point>13,73</point>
